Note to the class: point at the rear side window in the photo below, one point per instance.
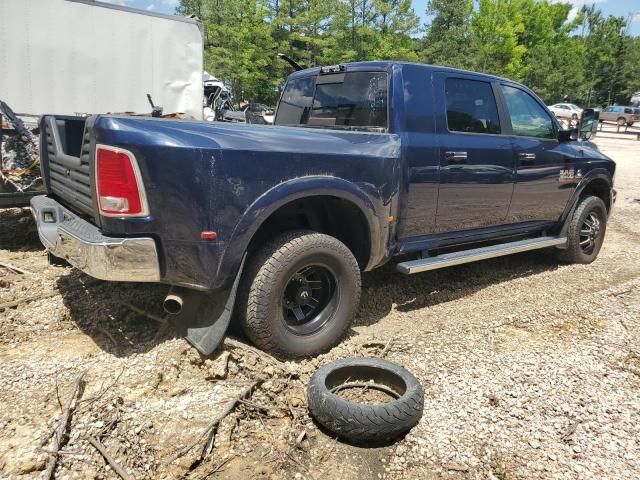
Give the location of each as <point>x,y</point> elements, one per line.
<point>528,118</point>
<point>471,107</point>
<point>628,110</point>
<point>355,100</point>
<point>295,104</point>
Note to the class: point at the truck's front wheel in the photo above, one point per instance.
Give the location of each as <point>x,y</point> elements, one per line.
<point>299,294</point>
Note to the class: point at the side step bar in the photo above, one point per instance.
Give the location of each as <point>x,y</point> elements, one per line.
<point>468,256</point>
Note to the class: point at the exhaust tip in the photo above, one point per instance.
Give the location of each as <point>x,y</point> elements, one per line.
<point>172,304</point>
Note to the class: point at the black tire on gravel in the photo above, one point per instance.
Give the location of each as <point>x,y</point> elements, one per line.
<point>359,421</point>
<point>299,294</point>
<point>584,235</point>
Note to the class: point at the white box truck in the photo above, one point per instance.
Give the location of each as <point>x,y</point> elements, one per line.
<point>87,57</point>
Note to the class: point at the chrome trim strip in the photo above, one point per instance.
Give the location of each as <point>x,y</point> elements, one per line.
<point>84,246</point>
<point>476,254</point>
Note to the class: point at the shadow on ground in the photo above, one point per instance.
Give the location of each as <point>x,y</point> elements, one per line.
<point>384,287</point>
<point>18,230</point>
<point>120,316</point>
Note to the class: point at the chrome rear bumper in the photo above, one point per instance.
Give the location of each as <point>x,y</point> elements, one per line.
<point>81,243</point>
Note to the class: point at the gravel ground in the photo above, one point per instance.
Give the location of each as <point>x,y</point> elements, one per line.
<point>531,371</point>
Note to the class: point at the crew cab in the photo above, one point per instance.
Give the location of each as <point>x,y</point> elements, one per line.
<point>273,225</point>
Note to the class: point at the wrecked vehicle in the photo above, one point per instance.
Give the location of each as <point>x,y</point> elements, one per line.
<point>275,224</point>
<point>19,160</point>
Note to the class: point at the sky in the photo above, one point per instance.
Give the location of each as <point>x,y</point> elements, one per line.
<point>620,8</point>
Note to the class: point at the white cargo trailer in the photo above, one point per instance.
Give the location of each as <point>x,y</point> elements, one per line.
<point>85,57</point>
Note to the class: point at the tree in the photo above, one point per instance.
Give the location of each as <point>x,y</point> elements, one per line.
<point>394,23</point>
<point>496,26</point>
<point>448,37</point>
<point>605,51</point>
<point>552,62</point>
<point>592,58</point>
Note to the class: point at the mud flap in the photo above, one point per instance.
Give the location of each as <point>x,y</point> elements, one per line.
<point>205,317</point>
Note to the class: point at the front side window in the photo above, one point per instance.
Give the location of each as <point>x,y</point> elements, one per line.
<point>528,118</point>
<point>351,100</point>
<point>471,106</point>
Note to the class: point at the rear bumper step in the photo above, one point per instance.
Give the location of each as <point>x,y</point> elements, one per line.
<point>68,236</point>
<point>476,254</point>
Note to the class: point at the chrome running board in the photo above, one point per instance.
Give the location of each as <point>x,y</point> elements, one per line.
<point>476,254</point>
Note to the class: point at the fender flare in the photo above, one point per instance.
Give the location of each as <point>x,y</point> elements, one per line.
<point>283,193</point>
<point>596,174</point>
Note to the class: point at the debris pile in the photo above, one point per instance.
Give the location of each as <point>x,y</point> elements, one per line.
<point>19,153</point>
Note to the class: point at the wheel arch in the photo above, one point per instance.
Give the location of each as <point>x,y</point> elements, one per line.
<point>328,203</point>
<point>598,183</point>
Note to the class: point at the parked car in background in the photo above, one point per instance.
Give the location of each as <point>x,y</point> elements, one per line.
<point>567,111</point>
<point>620,115</point>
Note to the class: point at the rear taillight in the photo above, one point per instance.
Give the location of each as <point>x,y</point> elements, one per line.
<point>118,184</point>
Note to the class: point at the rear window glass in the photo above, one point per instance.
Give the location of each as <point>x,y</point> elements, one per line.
<point>355,100</point>
<point>295,104</point>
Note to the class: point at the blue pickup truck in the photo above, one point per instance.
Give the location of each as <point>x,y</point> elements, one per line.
<point>272,225</point>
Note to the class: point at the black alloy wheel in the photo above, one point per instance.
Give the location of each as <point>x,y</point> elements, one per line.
<point>590,233</point>
<point>585,232</point>
<point>309,298</point>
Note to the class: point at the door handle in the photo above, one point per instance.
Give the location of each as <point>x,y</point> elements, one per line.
<point>456,157</point>
<point>526,157</point>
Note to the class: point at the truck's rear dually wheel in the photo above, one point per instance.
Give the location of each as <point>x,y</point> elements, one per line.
<point>299,294</point>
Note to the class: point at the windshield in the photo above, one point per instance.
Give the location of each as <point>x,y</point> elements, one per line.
<point>352,100</point>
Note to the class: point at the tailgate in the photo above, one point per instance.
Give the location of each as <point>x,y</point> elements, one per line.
<point>67,164</point>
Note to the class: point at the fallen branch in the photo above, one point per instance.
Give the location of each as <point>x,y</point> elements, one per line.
<point>15,303</point>
<point>15,269</point>
<point>232,342</point>
<point>103,389</point>
<point>387,346</point>
<point>150,315</point>
<point>62,428</point>
<point>103,451</point>
<point>210,429</point>
<point>300,437</point>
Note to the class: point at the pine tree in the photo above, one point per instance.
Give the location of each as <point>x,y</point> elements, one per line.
<point>448,37</point>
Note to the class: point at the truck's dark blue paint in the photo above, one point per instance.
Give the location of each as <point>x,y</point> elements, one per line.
<point>412,186</point>
<point>230,178</point>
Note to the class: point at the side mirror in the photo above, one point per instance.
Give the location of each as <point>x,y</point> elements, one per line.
<point>589,124</point>
<point>568,135</point>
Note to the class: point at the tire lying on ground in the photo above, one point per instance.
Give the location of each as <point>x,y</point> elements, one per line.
<point>359,421</point>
